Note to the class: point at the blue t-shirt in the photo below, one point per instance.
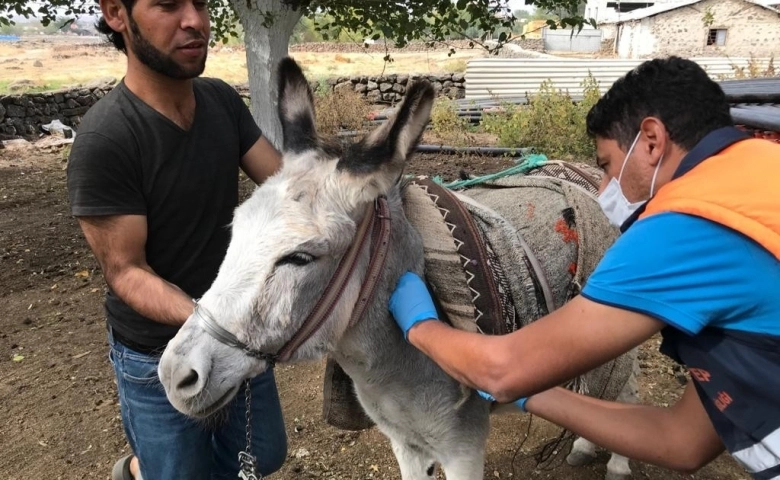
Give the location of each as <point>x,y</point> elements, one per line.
<point>690,273</point>
<point>719,292</point>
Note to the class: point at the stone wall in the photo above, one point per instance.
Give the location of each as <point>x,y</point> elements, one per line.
<point>23,115</point>
<point>533,44</point>
<point>391,88</point>
<point>378,47</point>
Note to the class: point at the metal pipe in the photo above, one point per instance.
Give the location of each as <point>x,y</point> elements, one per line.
<point>492,151</point>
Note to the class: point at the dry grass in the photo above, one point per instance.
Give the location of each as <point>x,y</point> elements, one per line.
<point>328,64</point>
<point>66,61</point>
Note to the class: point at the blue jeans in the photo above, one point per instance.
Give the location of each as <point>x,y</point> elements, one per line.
<point>170,445</point>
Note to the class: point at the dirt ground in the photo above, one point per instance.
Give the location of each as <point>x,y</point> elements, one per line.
<point>54,62</point>
<point>60,417</point>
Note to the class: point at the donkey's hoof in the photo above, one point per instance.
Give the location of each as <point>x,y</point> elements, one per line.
<point>617,476</point>
<point>578,459</point>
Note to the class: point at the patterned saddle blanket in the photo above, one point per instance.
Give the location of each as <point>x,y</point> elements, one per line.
<point>499,256</point>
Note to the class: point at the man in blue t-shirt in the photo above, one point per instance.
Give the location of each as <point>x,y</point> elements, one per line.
<point>697,261</point>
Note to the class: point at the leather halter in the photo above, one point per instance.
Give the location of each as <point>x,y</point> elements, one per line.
<point>376,220</point>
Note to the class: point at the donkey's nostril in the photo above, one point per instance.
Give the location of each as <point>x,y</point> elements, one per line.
<point>189,380</point>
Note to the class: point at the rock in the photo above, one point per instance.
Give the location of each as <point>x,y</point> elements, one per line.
<point>361,88</point>
<point>38,64</point>
<point>301,452</point>
<point>385,87</point>
<point>101,83</point>
<point>374,95</point>
<point>21,84</point>
<point>458,77</point>
<point>343,86</point>
<point>398,88</point>
<point>372,85</point>
<point>85,100</point>
<point>15,111</point>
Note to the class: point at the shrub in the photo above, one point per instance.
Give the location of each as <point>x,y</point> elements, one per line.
<point>447,125</point>
<point>339,109</point>
<point>455,66</point>
<point>550,121</point>
<point>754,69</point>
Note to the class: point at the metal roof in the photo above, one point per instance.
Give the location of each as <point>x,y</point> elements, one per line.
<point>515,77</point>
<point>641,13</point>
<point>754,102</point>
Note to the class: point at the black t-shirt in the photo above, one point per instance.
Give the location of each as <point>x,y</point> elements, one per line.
<point>128,158</point>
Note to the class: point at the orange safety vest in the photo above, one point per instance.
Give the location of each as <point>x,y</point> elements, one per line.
<point>739,187</point>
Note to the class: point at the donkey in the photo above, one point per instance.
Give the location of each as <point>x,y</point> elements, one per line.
<point>306,229</point>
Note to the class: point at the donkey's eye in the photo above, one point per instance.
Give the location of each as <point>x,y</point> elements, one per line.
<point>297,258</point>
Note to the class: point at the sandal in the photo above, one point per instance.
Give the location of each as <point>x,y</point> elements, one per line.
<point>121,470</point>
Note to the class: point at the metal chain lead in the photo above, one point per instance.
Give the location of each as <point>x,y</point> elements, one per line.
<point>245,458</point>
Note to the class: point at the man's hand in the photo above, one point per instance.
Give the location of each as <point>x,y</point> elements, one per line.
<point>520,402</point>
<point>411,303</point>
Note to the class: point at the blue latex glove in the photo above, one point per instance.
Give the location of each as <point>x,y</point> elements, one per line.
<point>520,402</point>
<point>411,303</point>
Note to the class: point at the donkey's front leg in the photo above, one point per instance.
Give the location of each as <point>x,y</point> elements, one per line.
<point>415,464</point>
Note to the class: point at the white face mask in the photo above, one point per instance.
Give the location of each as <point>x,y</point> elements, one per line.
<point>615,205</point>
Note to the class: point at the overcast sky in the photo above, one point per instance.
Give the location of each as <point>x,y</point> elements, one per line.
<point>519,5</point>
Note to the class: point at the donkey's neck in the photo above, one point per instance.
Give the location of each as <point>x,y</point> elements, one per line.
<point>374,350</point>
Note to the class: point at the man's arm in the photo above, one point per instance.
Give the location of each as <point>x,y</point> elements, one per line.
<point>261,161</point>
<point>118,242</point>
<point>570,341</point>
<point>680,438</point>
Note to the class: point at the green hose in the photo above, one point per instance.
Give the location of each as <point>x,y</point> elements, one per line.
<point>524,165</point>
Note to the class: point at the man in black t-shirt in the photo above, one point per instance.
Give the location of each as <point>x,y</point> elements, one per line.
<point>153,180</point>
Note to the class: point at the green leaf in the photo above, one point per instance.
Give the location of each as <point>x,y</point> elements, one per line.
<point>18,358</point>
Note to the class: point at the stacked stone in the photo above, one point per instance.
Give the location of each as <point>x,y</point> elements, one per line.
<point>24,114</point>
<point>391,88</point>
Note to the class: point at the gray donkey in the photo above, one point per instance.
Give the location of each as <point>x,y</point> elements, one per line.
<point>314,256</point>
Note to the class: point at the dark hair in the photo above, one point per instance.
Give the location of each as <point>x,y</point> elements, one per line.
<point>114,36</point>
<point>675,90</point>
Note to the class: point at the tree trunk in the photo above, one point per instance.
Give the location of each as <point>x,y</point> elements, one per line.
<point>265,47</point>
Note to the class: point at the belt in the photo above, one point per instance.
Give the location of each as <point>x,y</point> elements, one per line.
<point>132,345</point>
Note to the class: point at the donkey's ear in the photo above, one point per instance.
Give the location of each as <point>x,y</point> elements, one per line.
<point>296,108</point>
<point>384,152</point>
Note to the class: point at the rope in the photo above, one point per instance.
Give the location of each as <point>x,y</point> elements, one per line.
<point>525,165</point>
